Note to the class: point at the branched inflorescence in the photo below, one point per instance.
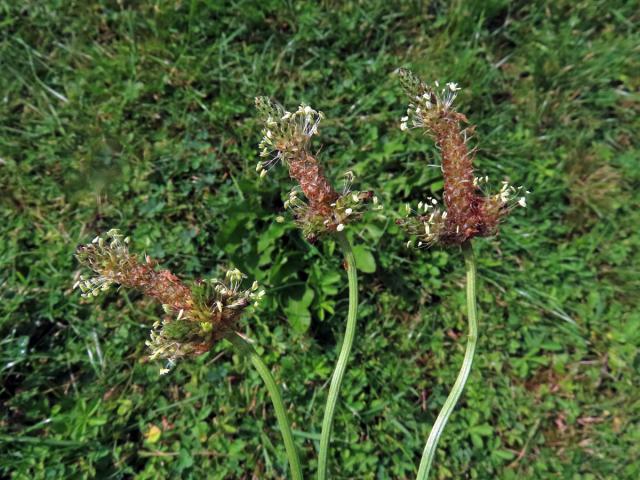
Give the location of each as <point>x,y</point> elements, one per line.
<point>287,137</point>
<point>198,314</point>
<point>469,213</point>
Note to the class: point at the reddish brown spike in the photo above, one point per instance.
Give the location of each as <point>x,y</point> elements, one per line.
<point>306,170</point>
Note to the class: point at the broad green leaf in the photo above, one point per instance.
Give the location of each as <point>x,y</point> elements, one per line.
<point>365,262</point>
<point>298,313</point>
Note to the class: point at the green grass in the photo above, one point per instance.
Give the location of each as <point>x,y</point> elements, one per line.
<point>141,118</point>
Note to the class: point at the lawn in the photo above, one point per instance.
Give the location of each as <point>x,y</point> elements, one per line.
<point>139,116</point>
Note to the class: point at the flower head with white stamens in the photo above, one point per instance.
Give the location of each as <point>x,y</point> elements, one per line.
<point>469,211</point>
<point>318,208</point>
<point>198,313</point>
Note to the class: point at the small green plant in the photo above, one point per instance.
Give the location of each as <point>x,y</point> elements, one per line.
<point>286,137</point>
<point>468,213</point>
<point>198,315</point>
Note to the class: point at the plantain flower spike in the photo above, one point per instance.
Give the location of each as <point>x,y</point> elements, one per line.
<point>468,212</point>
<point>197,315</point>
<point>287,138</point>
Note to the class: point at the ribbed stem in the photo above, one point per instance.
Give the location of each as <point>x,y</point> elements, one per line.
<point>247,350</point>
<point>456,391</point>
<point>343,358</point>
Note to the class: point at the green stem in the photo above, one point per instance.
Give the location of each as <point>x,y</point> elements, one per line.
<point>456,391</point>
<point>247,349</point>
<point>343,358</point>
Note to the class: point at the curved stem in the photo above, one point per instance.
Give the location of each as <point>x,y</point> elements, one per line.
<point>456,391</point>
<point>343,358</point>
<point>247,349</point>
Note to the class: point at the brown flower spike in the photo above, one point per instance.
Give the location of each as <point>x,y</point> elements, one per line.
<point>468,213</point>
<point>287,137</point>
<point>200,313</point>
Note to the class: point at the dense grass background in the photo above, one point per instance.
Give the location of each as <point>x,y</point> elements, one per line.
<point>139,115</point>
